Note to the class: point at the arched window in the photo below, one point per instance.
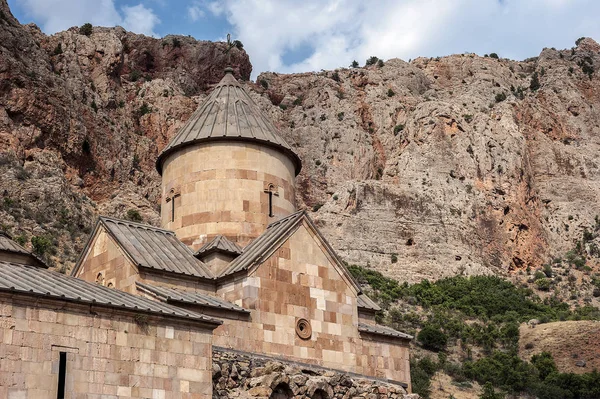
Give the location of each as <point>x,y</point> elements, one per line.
<point>282,391</point>
<point>100,279</point>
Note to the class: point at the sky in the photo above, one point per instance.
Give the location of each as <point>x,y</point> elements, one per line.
<point>309,35</point>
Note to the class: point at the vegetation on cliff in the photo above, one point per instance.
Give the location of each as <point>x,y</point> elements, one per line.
<point>480,317</point>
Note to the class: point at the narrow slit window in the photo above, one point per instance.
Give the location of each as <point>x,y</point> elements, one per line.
<point>270,203</point>
<point>62,375</point>
<point>173,200</point>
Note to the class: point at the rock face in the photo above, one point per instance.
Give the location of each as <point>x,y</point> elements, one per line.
<point>82,119</point>
<point>423,169</point>
<point>452,165</point>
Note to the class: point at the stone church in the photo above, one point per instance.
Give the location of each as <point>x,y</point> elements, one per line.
<point>237,294</point>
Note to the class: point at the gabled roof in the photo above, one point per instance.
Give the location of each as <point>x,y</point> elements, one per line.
<point>8,245</point>
<point>364,302</point>
<point>382,330</point>
<point>31,280</point>
<point>228,113</point>
<point>219,244</point>
<point>151,248</point>
<point>171,295</point>
<point>261,248</point>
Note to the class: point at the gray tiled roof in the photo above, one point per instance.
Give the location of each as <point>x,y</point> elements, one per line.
<point>228,113</point>
<point>36,281</point>
<point>382,330</point>
<point>219,243</point>
<point>364,302</point>
<point>153,248</point>
<point>195,298</point>
<point>7,244</point>
<point>262,247</point>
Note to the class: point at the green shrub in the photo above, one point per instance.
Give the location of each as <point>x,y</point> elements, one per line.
<point>488,391</point>
<point>340,116</point>
<point>543,284</point>
<point>432,338</point>
<point>144,109</point>
<point>58,49</point>
<point>394,258</point>
<point>335,76</point>
<point>544,363</point>
<point>86,29</point>
<point>578,41</point>
<point>354,64</point>
<point>468,118</point>
<point>371,61</point>
<point>42,245</point>
<point>380,63</point>
<point>421,372</point>
<point>264,83</point>
<point>538,275</point>
<point>133,215</point>
<point>134,75</point>
<point>494,55</point>
<point>316,207</point>
<point>535,82</point>
<point>398,129</point>
<point>548,272</point>
<point>176,43</point>
<point>390,93</point>
<point>94,106</point>
<point>500,97</point>
<point>239,45</point>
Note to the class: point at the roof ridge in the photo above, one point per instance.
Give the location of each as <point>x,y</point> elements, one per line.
<point>286,218</point>
<point>136,224</point>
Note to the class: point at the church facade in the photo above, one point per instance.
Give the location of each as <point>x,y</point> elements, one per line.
<point>235,257</point>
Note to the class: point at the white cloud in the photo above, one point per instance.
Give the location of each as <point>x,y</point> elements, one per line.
<point>339,31</point>
<point>57,15</point>
<point>139,19</point>
<point>195,11</point>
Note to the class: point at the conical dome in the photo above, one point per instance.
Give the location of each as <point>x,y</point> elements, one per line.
<point>228,114</point>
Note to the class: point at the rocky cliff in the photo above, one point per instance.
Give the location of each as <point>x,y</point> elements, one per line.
<point>433,167</point>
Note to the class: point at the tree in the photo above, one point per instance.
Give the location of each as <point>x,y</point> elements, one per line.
<point>134,215</point>
<point>489,393</point>
<point>432,338</point>
<point>371,61</point>
<point>86,29</point>
<point>354,64</point>
<point>535,82</point>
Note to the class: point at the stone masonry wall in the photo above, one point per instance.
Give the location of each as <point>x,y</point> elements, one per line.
<point>108,355</point>
<point>243,375</point>
<point>107,265</point>
<point>299,281</point>
<point>219,188</point>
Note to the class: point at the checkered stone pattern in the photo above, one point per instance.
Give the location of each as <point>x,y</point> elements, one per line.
<point>109,355</point>
<point>300,281</point>
<point>106,264</point>
<point>222,189</point>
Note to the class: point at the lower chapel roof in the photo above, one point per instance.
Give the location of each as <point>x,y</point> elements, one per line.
<point>36,281</point>
<point>151,247</point>
<point>172,295</point>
